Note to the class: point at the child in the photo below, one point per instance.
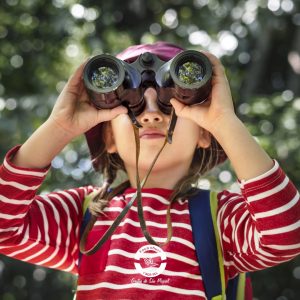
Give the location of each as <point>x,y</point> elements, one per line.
<point>259,227</point>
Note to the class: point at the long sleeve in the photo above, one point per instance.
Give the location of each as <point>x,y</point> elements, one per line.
<point>260,227</point>
<point>40,229</point>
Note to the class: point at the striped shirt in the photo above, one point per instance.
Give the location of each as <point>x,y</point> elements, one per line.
<point>259,228</point>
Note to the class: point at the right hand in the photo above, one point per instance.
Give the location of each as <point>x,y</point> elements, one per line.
<point>74,113</point>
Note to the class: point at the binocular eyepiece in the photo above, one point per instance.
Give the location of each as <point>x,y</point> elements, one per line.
<point>111,82</point>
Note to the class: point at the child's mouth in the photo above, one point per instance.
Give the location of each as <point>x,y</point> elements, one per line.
<point>151,134</point>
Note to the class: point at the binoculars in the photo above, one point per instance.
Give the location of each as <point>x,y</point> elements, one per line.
<point>111,82</point>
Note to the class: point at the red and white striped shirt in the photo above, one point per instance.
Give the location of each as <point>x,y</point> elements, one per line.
<point>259,228</point>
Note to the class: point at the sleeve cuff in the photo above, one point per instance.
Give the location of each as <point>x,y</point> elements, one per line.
<point>273,170</point>
<point>16,170</point>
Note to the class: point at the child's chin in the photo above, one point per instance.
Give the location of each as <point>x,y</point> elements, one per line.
<point>145,164</point>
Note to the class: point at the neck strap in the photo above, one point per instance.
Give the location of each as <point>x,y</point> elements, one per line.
<point>137,195</point>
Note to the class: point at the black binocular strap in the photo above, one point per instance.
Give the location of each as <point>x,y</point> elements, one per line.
<point>138,195</point>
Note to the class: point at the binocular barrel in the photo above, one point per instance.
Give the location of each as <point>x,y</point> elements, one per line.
<point>111,82</point>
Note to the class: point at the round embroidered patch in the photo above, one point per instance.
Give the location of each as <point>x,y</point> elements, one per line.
<point>150,261</point>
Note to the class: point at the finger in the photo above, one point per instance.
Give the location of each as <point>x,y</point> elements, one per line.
<point>109,114</point>
<point>181,109</point>
<point>76,77</point>
<point>83,95</point>
<point>74,87</point>
<point>211,57</point>
<point>218,68</point>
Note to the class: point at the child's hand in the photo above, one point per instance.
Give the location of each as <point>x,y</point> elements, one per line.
<point>208,114</point>
<point>73,111</point>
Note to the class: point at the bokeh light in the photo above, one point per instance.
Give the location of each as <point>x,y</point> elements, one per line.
<point>39,274</point>
<point>170,18</point>
<point>77,11</point>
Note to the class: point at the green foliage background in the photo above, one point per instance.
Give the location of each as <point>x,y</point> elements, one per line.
<point>41,43</point>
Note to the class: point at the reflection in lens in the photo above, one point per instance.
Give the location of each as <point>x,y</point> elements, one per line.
<point>104,77</point>
<point>190,72</point>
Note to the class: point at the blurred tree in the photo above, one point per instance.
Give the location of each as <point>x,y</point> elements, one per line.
<point>41,42</point>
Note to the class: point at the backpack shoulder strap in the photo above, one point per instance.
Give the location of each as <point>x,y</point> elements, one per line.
<point>206,246</point>
<point>236,286</point>
<point>86,215</point>
<point>203,211</point>
<point>213,210</point>
<point>86,201</point>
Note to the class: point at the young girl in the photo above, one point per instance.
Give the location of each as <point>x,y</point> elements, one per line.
<point>259,227</point>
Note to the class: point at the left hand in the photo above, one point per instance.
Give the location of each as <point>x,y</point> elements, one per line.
<point>218,106</point>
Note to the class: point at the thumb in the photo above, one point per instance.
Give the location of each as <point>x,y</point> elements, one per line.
<point>181,109</point>
<point>109,114</point>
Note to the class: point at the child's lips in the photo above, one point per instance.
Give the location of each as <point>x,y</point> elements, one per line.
<point>151,134</point>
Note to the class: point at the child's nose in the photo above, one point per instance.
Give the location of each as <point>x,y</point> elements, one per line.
<point>151,113</point>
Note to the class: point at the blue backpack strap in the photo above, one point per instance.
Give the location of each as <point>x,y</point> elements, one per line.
<point>203,209</point>
<point>236,287</point>
<point>86,217</point>
<point>205,243</point>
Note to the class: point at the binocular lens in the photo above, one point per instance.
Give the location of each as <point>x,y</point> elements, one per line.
<point>190,72</point>
<point>104,77</point>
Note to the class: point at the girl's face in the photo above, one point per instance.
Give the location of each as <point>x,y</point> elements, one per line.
<point>186,138</point>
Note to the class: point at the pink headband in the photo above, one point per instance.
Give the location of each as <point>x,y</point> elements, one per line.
<point>163,50</point>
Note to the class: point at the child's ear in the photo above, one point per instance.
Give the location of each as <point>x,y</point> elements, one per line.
<point>204,138</point>
<point>109,139</point>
